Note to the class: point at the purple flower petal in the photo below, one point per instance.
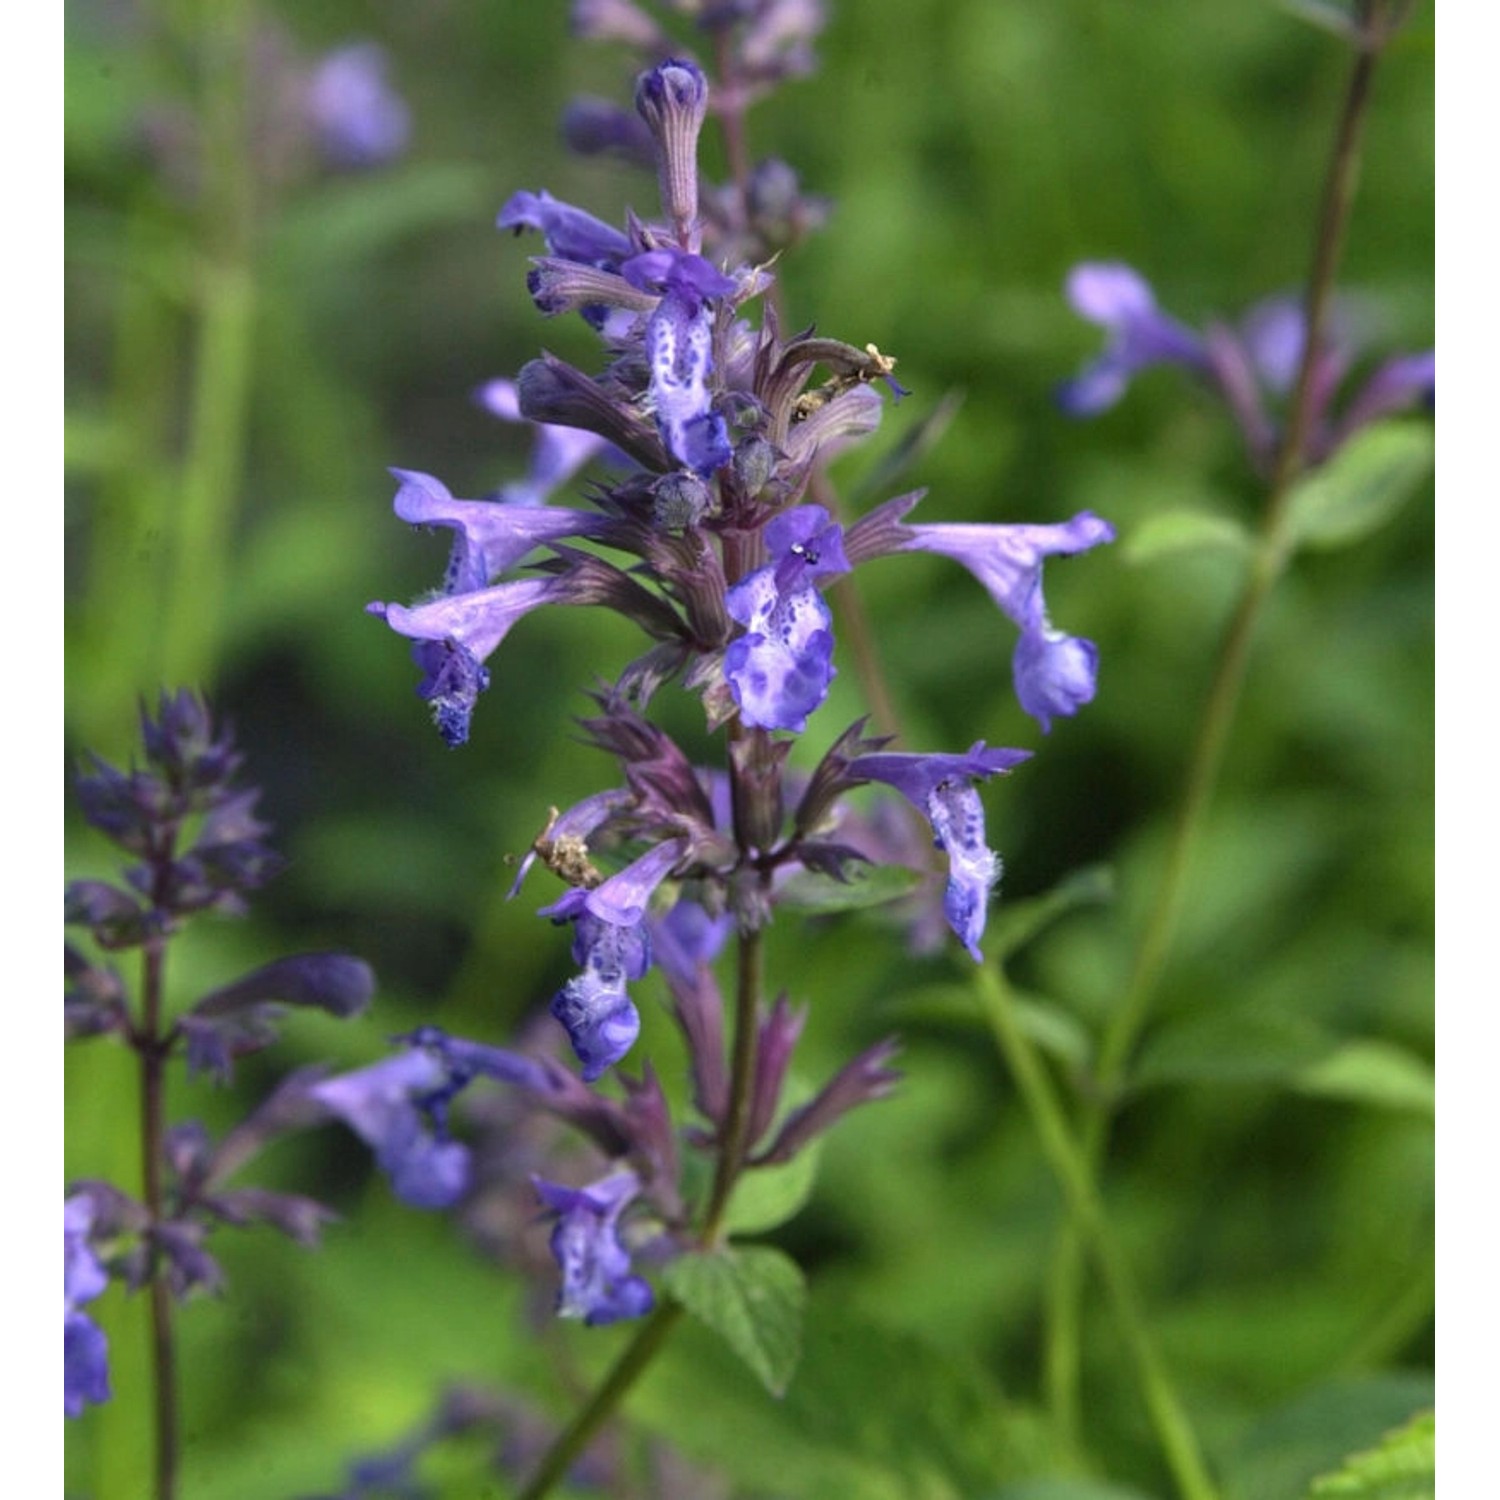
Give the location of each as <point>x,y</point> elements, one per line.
<point>389,1106</point>
<point>488,537</point>
<point>780,669</point>
<point>85,1349</point>
<point>570,233</point>
<point>1122,302</point>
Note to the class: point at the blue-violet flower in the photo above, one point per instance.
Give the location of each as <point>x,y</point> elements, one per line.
<point>597,1283</point>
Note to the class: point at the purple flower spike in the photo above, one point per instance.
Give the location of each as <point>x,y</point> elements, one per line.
<point>85,1349</point>
<point>597,1283</point>
<point>1140,335</point>
<point>1054,673</point>
<point>780,669</point>
<point>942,787</point>
<point>399,1108</point>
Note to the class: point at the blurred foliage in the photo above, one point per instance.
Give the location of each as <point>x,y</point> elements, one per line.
<point>247,356</point>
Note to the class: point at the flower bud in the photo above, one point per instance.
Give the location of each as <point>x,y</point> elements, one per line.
<point>672,98</point>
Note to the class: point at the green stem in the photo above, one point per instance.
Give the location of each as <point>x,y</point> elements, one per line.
<point>219,405</point>
<point>574,1438</point>
<point>1268,564</point>
<point>1175,1433</point>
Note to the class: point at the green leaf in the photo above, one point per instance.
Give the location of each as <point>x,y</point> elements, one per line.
<point>753,1298</point>
<point>1169,532</point>
<point>1372,1072</point>
<point>1362,486</point>
<point>875,886</point>
<point>1239,1046</point>
<point>875,1413</point>
<point>1016,923</point>
<point>1402,1467</point>
<point>767,1196</point>
<point>1289,1448</point>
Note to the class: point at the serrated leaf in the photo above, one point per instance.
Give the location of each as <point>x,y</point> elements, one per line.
<point>1372,1072</point>
<point>767,1196</point>
<point>1402,1467</point>
<point>819,894</point>
<point>751,1296</point>
<point>1174,531</point>
<point>1362,486</point>
<point>1014,924</point>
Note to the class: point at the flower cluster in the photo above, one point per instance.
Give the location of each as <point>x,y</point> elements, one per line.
<point>706,533</point>
<point>1251,365</point>
<point>195,845</point>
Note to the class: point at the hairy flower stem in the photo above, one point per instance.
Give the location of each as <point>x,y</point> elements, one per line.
<point>153,1052</point>
<point>1271,556</point>
<point>652,1334</point>
<point>1067,1160</point>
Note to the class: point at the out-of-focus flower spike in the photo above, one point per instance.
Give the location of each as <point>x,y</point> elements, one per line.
<point>85,1348</point>
<point>358,119</point>
<point>617,21</point>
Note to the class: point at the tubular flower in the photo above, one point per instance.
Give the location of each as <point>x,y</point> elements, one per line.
<point>612,944</point>
<point>1121,301</point>
<point>399,1108</point>
<point>597,1282</point>
<point>780,669</point>
<point>942,788</point>
<point>1054,673</point>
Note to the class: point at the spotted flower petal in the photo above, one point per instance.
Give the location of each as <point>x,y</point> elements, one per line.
<point>942,788</point>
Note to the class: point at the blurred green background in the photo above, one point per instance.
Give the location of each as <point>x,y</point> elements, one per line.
<point>250,348</point>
